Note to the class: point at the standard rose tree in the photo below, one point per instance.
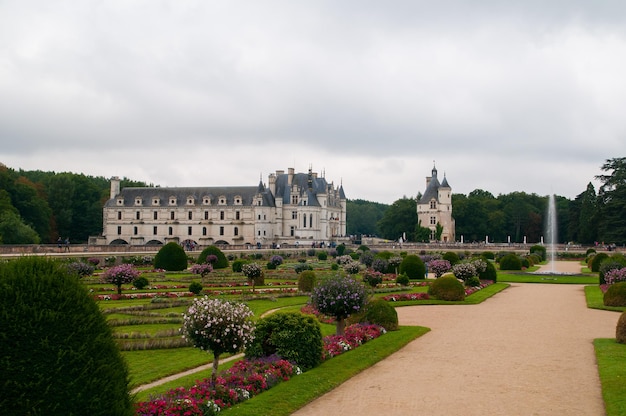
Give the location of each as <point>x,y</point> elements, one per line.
<point>219,326</point>
<point>339,297</point>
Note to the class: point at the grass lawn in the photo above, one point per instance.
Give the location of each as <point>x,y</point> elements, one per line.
<point>611,358</point>
<point>148,366</point>
<point>551,279</point>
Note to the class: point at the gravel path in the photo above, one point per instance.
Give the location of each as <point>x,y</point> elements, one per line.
<point>526,351</point>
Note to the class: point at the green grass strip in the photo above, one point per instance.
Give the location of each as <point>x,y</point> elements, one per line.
<point>287,397</point>
<point>473,299</point>
<point>611,358</point>
<point>547,278</point>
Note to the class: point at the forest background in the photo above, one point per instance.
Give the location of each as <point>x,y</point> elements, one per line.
<point>39,207</point>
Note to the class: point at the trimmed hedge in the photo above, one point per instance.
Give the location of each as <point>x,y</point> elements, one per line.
<point>290,335</point>
<point>510,262</point>
<point>615,295</point>
<point>171,257</point>
<point>620,329</point>
<point>413,267</point>
<point>447,288</point>
<point>222,261</point>
<point>306,281</point>
<point>58,353</point>
<point>380,312</point>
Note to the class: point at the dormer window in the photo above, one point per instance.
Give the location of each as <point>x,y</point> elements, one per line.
<point>237,200</point>
<point>190,200</point>
<point>433,204</point>
<point>206,200</point>
<point>120,201</point>
<point>138,201</point>
<point>222,200</point>
<point>172,200</point>
<point>156,201</point>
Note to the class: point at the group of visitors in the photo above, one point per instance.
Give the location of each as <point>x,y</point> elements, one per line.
<point>64,245</point>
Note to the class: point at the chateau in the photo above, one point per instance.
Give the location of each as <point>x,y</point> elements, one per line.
<point>435,208</point>
<point>293,209</point>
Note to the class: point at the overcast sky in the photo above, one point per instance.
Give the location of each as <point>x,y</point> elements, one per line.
<point>503,97</point>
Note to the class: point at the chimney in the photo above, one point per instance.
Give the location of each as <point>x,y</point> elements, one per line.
<point>272,182</point>
<point>115,186</point>
<point>290,176</point>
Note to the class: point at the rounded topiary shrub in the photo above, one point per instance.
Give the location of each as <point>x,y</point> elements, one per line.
<point>58,353</point>
<point>488,255</point>
<point>380,312</point>
<point>539,250</point>
<point>140,282</point>
<point>306,281</point>
<point>290,335</point>
<point>615,295</point>
<point>490,272</point>
<point>413,267</point>
<point>300,267</point>
<point>238,265</point>
<point>322,255</point>
<point>220,263</point>
<point>171,257</point>
<point>402,279</point>
<point>452,257</point>
<point>195,288</point>
<point>596,261</point>
<point>510,262</point>
<point>447,288</point>
<point>620,330</point>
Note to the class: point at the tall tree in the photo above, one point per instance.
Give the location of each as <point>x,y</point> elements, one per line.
<point>612,195</point>
<point>399,219</point>
<point>362,216</point>
<point>587,219</point>
<point>33,207</point>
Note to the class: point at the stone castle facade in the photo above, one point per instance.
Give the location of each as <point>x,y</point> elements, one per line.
<point>292,209</point>
<point>435,208</point>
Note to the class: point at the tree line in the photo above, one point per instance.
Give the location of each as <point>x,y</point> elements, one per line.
<point>39,207</point>
<point>592,216</point>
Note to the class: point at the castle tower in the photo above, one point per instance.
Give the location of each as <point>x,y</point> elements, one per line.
<point>434,209</point>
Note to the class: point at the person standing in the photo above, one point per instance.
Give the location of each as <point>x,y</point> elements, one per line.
<point>67,244</point>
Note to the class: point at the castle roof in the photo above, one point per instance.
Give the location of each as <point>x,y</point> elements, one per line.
<point>308,186</point>
<point>432,189</point>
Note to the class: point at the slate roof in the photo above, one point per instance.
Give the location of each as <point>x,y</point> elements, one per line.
<point>147,194</point>
<point>309,187</point>
<point>432,190</point>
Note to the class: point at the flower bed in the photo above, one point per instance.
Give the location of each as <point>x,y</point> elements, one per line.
<point>247,378</point>
<point>483,284</point>
<point>354,336</point>
<point>400,297</point>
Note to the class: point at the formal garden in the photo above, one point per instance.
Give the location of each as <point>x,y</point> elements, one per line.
<point>292,324</point>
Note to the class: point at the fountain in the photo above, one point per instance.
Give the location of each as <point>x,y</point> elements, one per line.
<point>551,232</point>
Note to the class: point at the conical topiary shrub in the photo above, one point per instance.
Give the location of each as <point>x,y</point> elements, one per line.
<point>58,353</point>
<point>171,257</point>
